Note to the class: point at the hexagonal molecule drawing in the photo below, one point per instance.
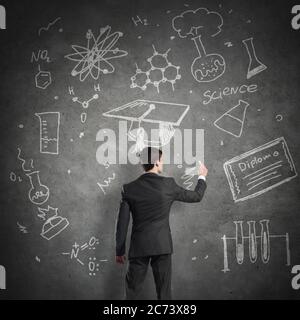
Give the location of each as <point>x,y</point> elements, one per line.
<point>43,79</point>
<point>160,71</point>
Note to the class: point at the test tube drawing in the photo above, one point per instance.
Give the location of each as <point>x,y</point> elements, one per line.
<point>252,241</point>
<point>265,241</point>
<point>255,66</point>
<point>239,241</point>
<point>49,132</point>
<point>252,238</point>
<point>225,269</point>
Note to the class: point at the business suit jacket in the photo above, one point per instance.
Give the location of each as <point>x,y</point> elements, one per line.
<point>149,199</point>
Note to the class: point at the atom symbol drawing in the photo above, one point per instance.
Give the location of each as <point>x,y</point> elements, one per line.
<point>95,57</point>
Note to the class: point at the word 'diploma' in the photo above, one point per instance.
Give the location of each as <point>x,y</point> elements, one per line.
<point>2,17</point>
<point>260,170</point>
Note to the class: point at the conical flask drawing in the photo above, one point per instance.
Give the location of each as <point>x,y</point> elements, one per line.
<point>255,66</point>
<point>39,193</point>
<point>232,121</point>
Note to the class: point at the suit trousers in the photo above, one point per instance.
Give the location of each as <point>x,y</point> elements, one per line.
<point>137,271</point>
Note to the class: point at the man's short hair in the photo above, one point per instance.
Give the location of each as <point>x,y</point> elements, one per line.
<point>149,156</point>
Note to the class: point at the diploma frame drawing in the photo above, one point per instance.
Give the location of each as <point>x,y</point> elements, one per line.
<point>237,184</point>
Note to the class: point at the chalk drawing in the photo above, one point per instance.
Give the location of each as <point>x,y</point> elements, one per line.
<point>254,66</point>
<point>106,183</point>
<point>85,104</point>
<point>48,26</point>
<point>187,177</point>
<point>252,238</point>
<point>144,112</point>
<point>54,224</point>
<point>94,58</point>
<point>22,229</point>
<point>138,21</point>
<point>75,253</point>
<point>228,44</point>
<point>260,170</point>
<point>39,193</point>
<point>49,132</point>
<point>161,71</point>
<point>13,177</point>
<point>193,24</point>
<point>40,55</point>
<point>42,79</point>
<point>232,121</point>
<point>24,162</point>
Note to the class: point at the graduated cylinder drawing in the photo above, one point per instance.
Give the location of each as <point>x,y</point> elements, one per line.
<point>194,24</point>
<point>254,240</point>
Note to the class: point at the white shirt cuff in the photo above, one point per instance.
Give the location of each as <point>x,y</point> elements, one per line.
<point>202,177</point>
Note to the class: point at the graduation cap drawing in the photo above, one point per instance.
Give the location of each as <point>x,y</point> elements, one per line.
<point>232,121</point>
<point>144,115</point>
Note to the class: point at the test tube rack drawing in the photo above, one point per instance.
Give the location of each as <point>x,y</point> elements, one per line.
<point>141,113</point>
<point>253,239</point>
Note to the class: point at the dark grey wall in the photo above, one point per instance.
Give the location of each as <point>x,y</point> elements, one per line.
<point>38,267</point>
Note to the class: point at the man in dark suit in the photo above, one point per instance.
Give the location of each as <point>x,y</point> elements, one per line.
<point>149,199</point>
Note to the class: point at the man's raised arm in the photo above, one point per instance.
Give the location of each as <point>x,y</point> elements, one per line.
<point>181,194</point>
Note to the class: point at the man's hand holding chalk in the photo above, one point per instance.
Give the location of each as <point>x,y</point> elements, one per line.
<point>202,171</point>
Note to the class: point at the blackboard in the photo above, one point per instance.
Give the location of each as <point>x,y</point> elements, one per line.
<point>59,204</point>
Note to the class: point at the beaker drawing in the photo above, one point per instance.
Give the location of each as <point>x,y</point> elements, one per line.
<point>39,193</point>
<point>49,132</point>
<point>252,242</point>
<point>265,241</point>
<point>206,67</point>
<point>239,241</point>
<point>255,66</point>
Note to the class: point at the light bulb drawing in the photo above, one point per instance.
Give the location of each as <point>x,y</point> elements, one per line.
<point>95,57</point>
